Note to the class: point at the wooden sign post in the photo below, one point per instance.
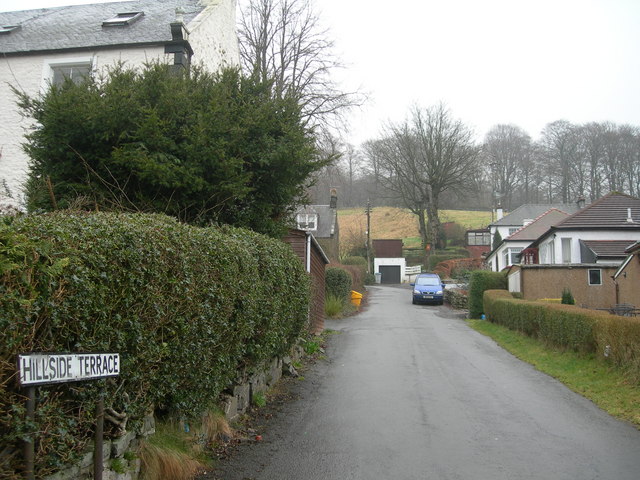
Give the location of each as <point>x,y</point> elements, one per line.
<point>37,369</point>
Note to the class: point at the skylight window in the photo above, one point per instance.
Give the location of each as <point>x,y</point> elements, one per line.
<point>9,28</point>
<point>123,19</point>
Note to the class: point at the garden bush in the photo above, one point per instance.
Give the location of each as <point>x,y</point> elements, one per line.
<point>479,281</point>
<point>338,282</point>
<point>355,260</point>
<point>560,325</point>
<point>185,307</point>
<point>613,338</point>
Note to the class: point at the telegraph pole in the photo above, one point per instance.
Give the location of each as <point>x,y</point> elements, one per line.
<point>368,212</point>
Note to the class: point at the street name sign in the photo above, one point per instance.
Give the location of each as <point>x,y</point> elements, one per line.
<point>44,368</point>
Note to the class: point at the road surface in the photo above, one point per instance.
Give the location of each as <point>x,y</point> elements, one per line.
<point>411,392</point>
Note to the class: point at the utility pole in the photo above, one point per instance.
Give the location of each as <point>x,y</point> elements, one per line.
<point>368,212</point>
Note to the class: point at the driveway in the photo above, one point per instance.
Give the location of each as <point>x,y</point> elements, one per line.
<point>411,392</point>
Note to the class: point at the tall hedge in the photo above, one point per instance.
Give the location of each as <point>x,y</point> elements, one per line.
<point>184,306</point>
<point>479,281</point>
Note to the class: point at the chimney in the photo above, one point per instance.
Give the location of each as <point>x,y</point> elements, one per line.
<point>580,202</point>
<point>179,44</point>
<point>334,198</point>
<point>629,217</point>
<point>499,212</point>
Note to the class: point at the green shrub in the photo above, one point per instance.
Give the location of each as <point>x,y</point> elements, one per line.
<point>479,281</point>
<point>613,338</point>
<point>560,325</point>
<point>338,282</point>
<point>360,261</point>
<point>369,279</point>
<point>567,297</point>
<point>184,306</point>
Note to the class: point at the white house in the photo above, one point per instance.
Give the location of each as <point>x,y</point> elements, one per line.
<point>40,47</point>
<point>599,233</point>
<point>510,250</point>
<point>509,224</point>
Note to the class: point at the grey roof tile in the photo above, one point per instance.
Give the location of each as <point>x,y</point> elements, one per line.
<point>610,211</point>
<point>530,211</point>
<point>539,226</point>
<point>80,26</point>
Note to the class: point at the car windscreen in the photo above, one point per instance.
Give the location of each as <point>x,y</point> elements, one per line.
<point>427,281</point>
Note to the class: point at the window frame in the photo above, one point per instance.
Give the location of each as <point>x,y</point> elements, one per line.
<point>48,69</point>
<point>599,270</point>
<point>305,219</point>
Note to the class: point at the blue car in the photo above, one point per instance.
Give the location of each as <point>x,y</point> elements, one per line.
<point>428,288</point>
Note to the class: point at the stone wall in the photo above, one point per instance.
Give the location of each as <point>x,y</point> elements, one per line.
<point>121,460</point>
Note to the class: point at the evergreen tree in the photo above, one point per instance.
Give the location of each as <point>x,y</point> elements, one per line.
<point>202,147</point>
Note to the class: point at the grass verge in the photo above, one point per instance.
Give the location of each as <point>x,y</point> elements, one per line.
<point>608,387</point>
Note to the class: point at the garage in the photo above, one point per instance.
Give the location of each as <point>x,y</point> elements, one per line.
<point>390,273</point>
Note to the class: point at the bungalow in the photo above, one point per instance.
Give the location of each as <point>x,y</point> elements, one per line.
<point>507,225</point>
<point>509,252</point>
<point>45,46</point>
<point>582,253</point>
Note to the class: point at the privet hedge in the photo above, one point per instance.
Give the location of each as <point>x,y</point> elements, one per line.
<point>185,307</point>
<point>479,281</point>
<point>611,337</point>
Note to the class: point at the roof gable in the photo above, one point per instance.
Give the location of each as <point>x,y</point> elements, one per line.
<point>81,26</point>
<point>539,226</point>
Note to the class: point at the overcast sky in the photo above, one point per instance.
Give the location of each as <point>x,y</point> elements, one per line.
<point>491,61</point>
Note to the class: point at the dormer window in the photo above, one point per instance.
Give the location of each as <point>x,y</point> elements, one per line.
<point>9,28</point>
<point>307,221</point>
<point>123,19</point>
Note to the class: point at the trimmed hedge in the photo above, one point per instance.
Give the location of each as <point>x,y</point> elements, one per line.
<point>560,325</point>
<point>611,337</point>
<point>338,282</point>
<point>185,307</point>
<point>479,281</point>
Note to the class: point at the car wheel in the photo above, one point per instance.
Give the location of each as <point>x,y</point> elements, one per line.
<point>413,300</point>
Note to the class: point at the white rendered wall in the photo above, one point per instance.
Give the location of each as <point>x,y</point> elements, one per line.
<point>401,262</point>
<point>30,75</point>
<point>576,236</point>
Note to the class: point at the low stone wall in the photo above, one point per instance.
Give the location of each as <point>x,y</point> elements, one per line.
<point>456,297</point>
<point>120,455</point>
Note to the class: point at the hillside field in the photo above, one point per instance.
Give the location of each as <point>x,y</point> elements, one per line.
<point>389,223</point>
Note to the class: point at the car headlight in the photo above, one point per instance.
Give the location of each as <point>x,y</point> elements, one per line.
<point>416,292</point>
<point>439,292</point>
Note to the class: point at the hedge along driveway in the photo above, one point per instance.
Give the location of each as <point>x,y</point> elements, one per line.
<point>612,337</point>
<point>186,307</point>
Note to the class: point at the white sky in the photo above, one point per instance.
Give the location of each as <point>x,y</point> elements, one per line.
<point>491,61</point>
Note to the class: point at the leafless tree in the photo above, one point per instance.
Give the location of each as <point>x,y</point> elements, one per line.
<point>506,152</point>
<point>283,41</point>
<point>421,159</point>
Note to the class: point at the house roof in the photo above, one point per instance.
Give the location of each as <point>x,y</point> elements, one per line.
<point>608,212</point>
<point>327,219</point>
<point>608,248</point>
<point>530,211</point>
<point>539,226</point>
<point>79,27</point>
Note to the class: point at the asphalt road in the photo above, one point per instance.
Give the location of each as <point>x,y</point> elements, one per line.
<point>411,392</point>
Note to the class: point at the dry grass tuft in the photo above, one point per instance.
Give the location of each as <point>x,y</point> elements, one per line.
<point>215,428</point>
<point>161,463</point>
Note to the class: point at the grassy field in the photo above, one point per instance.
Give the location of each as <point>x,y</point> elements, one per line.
<point>390,223</point>
<point>609,388</point>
